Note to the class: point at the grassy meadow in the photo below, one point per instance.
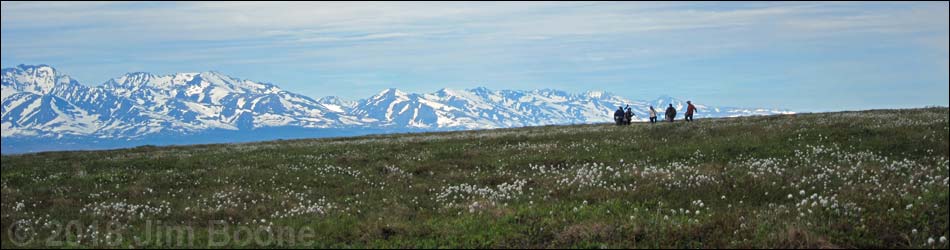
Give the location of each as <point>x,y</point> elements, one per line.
<point>869,179</point>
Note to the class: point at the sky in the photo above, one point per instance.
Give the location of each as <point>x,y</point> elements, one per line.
<point>802,56</point>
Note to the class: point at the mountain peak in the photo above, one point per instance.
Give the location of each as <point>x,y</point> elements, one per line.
<point>391,92</point>
<point>41,67</point>
<point>133,79</point>
<point>41,70</point>
<point>481,90</point>
<point>213,73</point>
<point>449,92</point>
<point>41,79</point>
<point>185,76</point>
<point>597,94</point>
<point>665,99</point>
<point>553,93</point>
<point>215,78</point>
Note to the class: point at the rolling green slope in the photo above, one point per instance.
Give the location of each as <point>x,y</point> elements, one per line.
<point>870,179</point>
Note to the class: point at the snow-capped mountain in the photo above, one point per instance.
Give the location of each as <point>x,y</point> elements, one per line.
<point>39,102</point>
<point>479,108</point>
<point>482,108</point>
<point>211,100</point>
<point>337,104</point>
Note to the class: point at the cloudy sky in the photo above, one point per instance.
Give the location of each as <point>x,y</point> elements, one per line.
<point>800,56</point>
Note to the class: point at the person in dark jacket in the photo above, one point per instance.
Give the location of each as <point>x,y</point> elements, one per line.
<point>628,116</point>
<point>618,116</point>
<point>689,111</point>
<point>670,113</point>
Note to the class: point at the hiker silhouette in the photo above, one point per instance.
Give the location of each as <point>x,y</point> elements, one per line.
<point>670,113</point>
<point>618,116</point>
<point>628,116</point>
<point>689,111</point>
<point>652,115</point>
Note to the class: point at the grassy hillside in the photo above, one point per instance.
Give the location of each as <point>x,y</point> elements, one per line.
<point>874,179</point>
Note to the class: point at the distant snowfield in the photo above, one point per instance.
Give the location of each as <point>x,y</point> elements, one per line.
<point>40,104</point>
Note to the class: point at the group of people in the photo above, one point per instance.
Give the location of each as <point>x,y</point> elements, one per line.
<point>622,117</point>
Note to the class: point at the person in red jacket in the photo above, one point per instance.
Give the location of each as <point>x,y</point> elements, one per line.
<point>689,111</point>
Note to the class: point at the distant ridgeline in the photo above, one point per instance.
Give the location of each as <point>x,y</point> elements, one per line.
<point>44,110</point>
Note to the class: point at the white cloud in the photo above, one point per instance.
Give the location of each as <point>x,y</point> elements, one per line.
<point>528,38</point>
<point>309,21</point>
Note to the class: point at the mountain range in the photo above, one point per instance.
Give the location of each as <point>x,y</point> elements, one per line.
<point>43,109</point>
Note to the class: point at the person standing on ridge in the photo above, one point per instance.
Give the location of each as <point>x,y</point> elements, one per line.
<point>652,115</point>
<point>618,116</point>
<point>670,113</point>
<point>628,116</point>
<point>689,111</point>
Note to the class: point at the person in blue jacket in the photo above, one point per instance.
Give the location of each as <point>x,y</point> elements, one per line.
<point>618,116</point>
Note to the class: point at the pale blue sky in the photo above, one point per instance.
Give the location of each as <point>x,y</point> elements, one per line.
<point>800,56</point>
